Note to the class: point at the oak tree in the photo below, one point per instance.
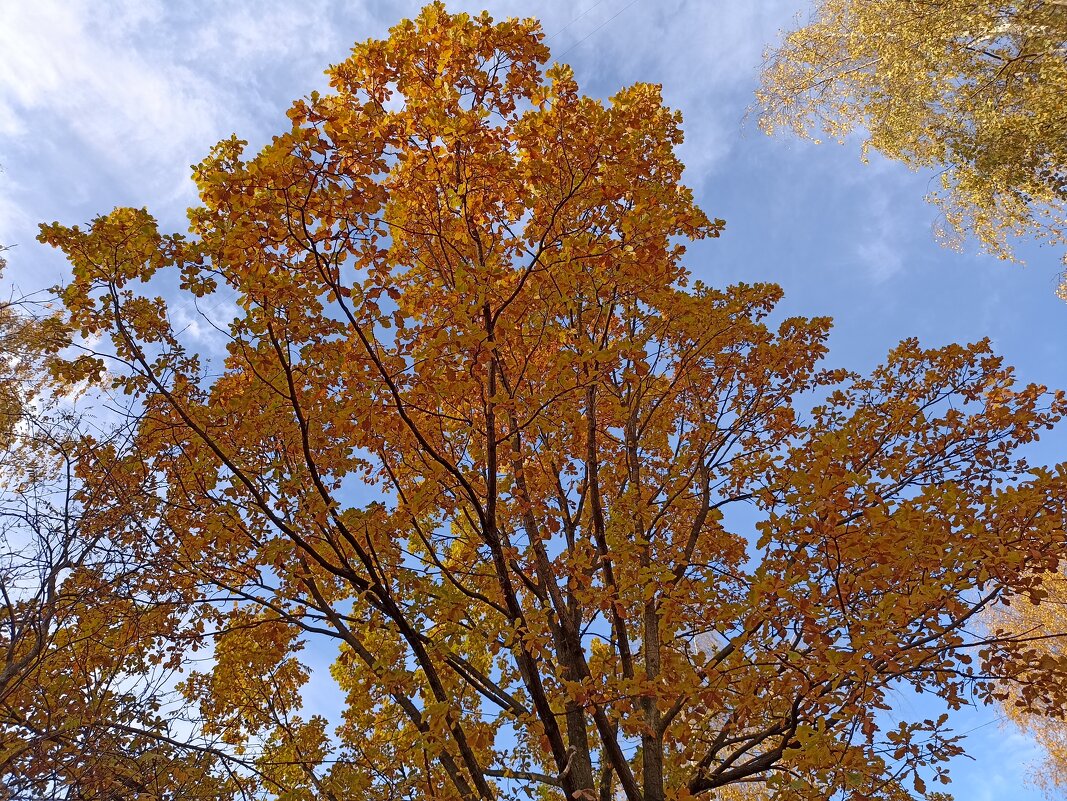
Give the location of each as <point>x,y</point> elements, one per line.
<point>569,523</point>
<point>974,89</point>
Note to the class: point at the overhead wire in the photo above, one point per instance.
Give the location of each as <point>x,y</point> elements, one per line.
<point>585,13</point>
<point>598,27</point>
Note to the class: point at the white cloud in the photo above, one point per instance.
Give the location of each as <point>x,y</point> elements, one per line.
<point>75,74</point>
<point>138,89</point>
<point>894,212</point>
<point>881,249</point>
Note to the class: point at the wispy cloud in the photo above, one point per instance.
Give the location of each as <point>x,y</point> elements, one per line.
<point>880,249</point>
<point>70,73</point>
<point>893,213</point>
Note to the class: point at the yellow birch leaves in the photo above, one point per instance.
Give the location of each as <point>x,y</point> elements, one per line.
<point>973,89</point>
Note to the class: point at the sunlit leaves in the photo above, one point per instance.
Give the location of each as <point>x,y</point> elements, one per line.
<point>571,525</point>
<point>973,89</point>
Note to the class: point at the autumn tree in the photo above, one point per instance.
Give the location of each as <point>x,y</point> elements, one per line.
<point>570,524</point>
<point>23,340</point>
<point>83,656</point>
<point>1043,624</point>
<point>86,696</point>
<point>973,89</point>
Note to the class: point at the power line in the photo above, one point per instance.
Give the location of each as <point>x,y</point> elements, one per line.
<point>580,16</point>
<point>598,27</point>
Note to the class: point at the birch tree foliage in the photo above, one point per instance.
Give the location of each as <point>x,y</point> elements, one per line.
<point>478,435</point>
<point>973,89</point>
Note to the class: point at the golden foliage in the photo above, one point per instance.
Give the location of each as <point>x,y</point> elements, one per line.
<point>973,88</point>
<point>80,654</point>
<point>574,525</point>
<point>26,339</point>
<point>1044,623</point>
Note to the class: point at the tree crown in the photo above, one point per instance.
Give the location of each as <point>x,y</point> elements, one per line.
<point>476,428</point>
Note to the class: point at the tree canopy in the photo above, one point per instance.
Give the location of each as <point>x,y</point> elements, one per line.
<point>569,524</point>
<point>974,89</point>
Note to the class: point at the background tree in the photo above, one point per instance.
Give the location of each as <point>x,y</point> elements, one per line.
<point>972,88</point>
<point>1043,623</point>
<point>572,526</point>
<point>84,673</point>
<point>84,670</point>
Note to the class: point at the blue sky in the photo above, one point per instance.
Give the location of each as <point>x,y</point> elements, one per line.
<point>108,103</point>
